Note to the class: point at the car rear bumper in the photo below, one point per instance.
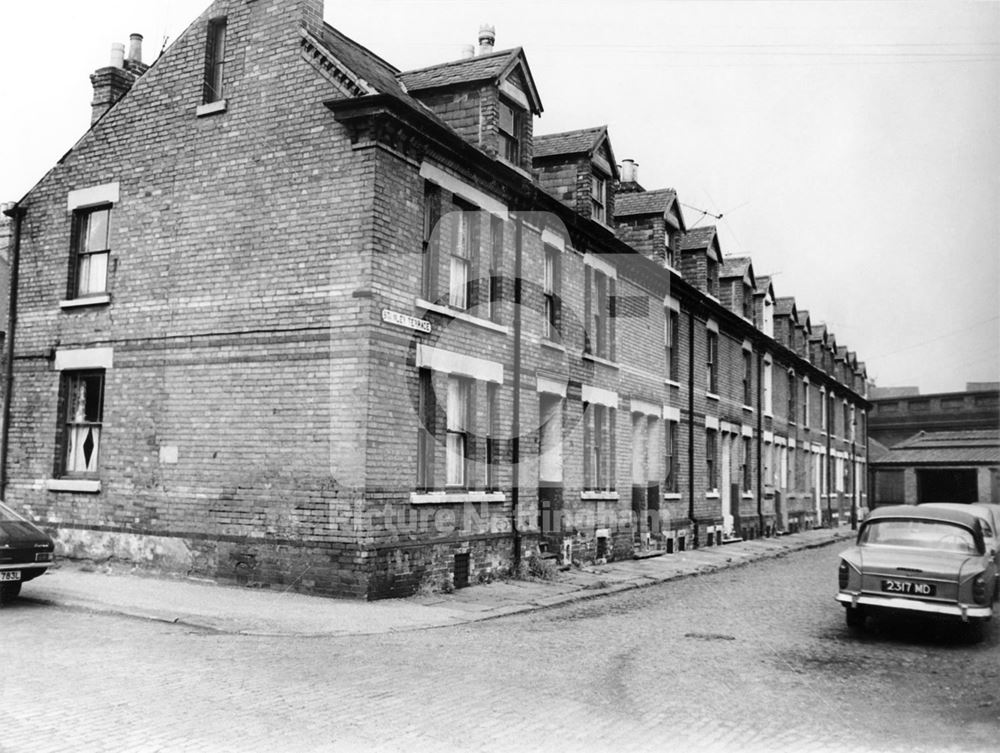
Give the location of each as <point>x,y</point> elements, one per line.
<point>25,565</point>
<point>964,612</point>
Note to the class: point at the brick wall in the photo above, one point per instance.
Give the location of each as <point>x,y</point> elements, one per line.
<point>236,250</point>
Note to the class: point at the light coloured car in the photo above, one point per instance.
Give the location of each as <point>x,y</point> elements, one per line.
<point>921,561</point>
<point>989,516</point>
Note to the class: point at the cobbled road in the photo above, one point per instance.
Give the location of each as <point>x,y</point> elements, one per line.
<point>754,658</point>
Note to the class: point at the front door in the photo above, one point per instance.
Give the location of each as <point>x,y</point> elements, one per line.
<point>818,484</point>
<point>725,491</point>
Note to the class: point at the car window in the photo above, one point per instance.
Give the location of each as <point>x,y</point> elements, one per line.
<point>7,515</point>
<point>920,534</point>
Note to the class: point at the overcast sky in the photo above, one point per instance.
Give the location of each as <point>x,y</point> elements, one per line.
<point>853,148</point>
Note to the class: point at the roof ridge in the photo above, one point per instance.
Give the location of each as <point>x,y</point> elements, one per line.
<point>460,61</point>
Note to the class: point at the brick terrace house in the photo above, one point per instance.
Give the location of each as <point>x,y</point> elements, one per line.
<point>288,315</point>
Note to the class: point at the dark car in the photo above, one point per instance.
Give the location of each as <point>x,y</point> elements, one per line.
<point>919,560</point>
<point>25,552</point>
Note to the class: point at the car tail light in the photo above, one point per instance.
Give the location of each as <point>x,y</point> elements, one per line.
<point>842,574</point>
<point>43,556</point>
<point>979,590</point>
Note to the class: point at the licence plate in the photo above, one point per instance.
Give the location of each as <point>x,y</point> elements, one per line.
<point>908,587</point>
<point>10,575</point>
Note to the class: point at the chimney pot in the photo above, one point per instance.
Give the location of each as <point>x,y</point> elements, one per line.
<point>468,51</point>
<point>135,48</point>
<point>487,37</point>
<point>117,55</point>
<point>630,171</point>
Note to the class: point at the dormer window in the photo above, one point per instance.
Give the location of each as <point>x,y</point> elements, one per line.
<point>668,249</point>
<point>747,302</point>
<point>598,197</point>
<point>712,277</point>
<point>510,133</point>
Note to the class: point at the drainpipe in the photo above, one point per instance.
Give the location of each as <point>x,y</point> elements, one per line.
<point>515,449</point>
<point>854,481</point>
<point>691,516</point>
<point>760,441</point>
<point>869,475</point>
<point>17,213</point>
<point>829,457</point>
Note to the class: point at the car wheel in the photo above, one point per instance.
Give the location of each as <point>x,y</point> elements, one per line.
<point>9,592</point>
<point>855,617</point>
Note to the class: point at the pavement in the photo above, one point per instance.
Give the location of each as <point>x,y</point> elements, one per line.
<point>205,605</point>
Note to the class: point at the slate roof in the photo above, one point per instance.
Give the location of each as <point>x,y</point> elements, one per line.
<point>734,266</point>
<point>367,65</point>
<point>582,141</point>
<point>361,61</point>
<point>647,202</point>
<point>876,450</point>
<point>818,332</point>
<point>842,352</point>
<point>698,238</point>
<point>978,446</point>
<point>764,285</point>
<point>784,306</point>
<point>464,71</point>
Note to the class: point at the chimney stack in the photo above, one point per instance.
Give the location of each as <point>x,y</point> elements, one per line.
<point>487,37</point>
<point>112,82</point>
<point>135,48</point>
<point>117,55</point>
<point>630,171</point>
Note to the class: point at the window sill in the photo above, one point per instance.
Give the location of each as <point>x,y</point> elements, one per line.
<point>87,486</point>
<point>672,383</point>
<point>711,494</point>
<point>444,498</point>
<point>211,108</point>
<point>552,345</point>
<point>749,409</point>
<point>768,414</point>
<point>671,496</point>
<point>590,496</point>
<point>92,300</point>
<point>747,495</point>
<point>712,396</point>
<point>462,316</point>
<point>598,359</point>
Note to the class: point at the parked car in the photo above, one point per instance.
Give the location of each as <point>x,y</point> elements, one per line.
<point>25,552</point>
<point>989,516</point>
<point>919,560</point>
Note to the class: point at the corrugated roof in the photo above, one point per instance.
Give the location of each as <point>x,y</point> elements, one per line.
<point>647,202</point>
<point>582,141</point>
<point>464,71</point>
